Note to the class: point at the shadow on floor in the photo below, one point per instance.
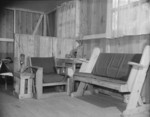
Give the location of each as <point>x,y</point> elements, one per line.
<point>104,101</point>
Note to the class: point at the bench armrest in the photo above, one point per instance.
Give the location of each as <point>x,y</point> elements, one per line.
<point>136,65</point>
<point>82,60</point>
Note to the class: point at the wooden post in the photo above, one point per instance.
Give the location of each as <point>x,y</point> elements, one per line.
<point>14,21</point>
<point>45,25</point>
<point>138,83</point>
<point>77,25</point>
<point>38,82</point>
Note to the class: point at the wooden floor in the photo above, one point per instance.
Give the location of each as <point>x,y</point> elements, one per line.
<point>62,106</point>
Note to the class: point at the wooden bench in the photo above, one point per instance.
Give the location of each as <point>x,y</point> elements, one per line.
<point>124,73</point>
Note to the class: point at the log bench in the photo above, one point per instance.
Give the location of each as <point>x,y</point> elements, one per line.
<point>122,72</point>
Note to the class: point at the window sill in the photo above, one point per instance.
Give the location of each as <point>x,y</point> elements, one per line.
<point>95,36</point>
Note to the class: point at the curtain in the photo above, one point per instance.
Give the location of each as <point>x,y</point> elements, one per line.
<point>132,18</point>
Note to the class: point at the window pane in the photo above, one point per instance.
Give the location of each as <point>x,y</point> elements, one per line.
<point>115,3</point>
<point>134,1</point>
<point>123,2</point>
<point>114,21</point>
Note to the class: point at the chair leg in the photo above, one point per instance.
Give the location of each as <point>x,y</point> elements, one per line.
<point>5,83</point>
<point>5,80</point>
<point>38,81</point>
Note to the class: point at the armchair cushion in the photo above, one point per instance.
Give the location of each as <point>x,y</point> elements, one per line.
<point>52,78</point>
<point>47,63</point>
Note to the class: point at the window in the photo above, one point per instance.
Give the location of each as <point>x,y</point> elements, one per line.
<point>130,17</point>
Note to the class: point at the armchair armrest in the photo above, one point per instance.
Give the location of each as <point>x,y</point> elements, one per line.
<point>136,65</point>
<point>32,68</point>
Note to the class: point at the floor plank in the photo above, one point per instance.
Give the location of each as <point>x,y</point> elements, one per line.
<point>61,106</point>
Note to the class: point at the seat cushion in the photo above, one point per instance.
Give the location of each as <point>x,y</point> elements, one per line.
<point>47,63</point>
<point>51,78</point>
<point>115,65</point>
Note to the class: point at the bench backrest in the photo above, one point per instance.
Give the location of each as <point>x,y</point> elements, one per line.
<point>47,63</point>
<point>115,65</point>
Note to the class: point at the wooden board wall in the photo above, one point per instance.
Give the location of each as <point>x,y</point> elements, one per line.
<point>126,44</point>
<point>6,50</point>
<point>6,32</point>
<point>6,24</point>
<point>26,23</point>
<point>67,19</point>
<point>40,46</point>
<point>93,14</point>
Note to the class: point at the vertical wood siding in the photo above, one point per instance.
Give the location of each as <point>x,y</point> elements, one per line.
<point>93,14</point>
<point>26,23</point>
<point>6,24</point>
<point>67,19</point>
<point>41,46</point>
<point>127,44</point>
<point>6,31</point>
<point>6,50</point>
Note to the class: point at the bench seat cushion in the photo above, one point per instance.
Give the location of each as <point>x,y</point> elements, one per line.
<point>52,78</point>
<point>115,65</point>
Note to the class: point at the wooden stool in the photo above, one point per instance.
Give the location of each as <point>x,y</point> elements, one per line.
<point>23,84</point>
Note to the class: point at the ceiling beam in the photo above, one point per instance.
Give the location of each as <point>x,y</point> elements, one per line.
<point>6,40</point>
<point>25,10</point>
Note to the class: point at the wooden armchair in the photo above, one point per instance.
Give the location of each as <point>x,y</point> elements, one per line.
<point>46,75</point>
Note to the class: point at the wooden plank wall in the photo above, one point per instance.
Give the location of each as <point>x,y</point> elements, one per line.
<point>67,24</point>
<point>126,44</point>
<point>6,50</point>
<point>26,23</point>
<point>6,31</point>
<point>6,24</point>
<point>93,15</point>
<point>40,46</point>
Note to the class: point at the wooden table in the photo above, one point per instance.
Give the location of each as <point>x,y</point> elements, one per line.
<point>73,63</point>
